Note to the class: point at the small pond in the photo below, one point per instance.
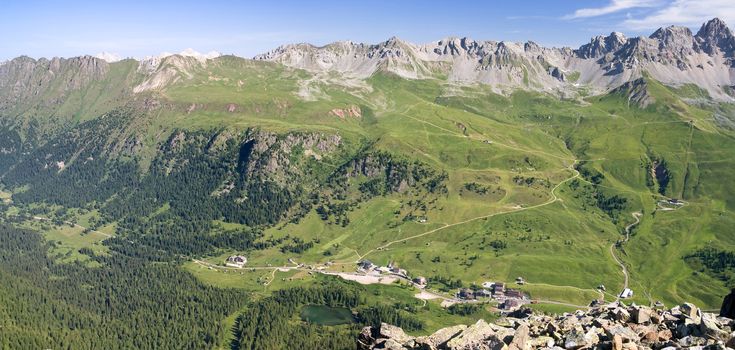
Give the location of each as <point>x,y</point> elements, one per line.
<point>326,315</point>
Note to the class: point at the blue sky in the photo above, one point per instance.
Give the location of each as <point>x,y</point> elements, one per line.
<point>138,28</point>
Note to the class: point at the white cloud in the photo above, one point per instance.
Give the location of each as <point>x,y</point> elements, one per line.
<point>108,56</point>
<point>198,55</point>
<point>612,7</point>
<point>686,13</point>
<point>189,52</point>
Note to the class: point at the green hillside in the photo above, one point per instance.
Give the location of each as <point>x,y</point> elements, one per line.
<point>450,182</point>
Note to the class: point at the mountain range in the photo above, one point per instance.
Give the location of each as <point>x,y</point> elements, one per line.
<point>671,55</point>
<point>567,175</point>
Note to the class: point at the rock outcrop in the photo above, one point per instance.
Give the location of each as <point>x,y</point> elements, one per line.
<point>613,326</point>
<point>636,91</point>
<point>728,305</point>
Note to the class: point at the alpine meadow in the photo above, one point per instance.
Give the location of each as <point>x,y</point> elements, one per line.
<point>320,197</point>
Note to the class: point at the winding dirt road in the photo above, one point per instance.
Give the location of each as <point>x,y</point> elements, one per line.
<point>551,200</point>
<point>637,217</point>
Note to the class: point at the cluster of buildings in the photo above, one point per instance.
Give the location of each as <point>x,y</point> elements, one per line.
<point>509,299</point>
<point>421,281</point>
<point>368,267</point>
<point>236,261</point>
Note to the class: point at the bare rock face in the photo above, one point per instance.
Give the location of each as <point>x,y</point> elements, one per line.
<point>636,92</point>
<point>602,45</point>
<point>715,37</point>
<point>600,327</point>
<point>272,153</point>
<point>642,315</point>
<point>728,305</point>
<point>521,338</point>
<point>440,337</point>
<point>675,40</point>
<point>472,337</point>
<point>46,84</point>
<point>351,111</point>
<point>393,332</point>
<point>672,55</point>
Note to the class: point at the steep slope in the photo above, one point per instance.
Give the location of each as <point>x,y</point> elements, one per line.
<point>63,89</point>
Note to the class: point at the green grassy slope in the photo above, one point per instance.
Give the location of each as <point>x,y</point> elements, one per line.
<point>539,218</point>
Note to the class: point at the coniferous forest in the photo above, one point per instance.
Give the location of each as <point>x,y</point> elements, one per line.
<point>125,303</point>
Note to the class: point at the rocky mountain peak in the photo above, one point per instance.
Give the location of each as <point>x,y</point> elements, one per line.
<point>393,47</point>
<point>284,50</point>
<point>455,46</point>
<point>671,33</point>
<point>713,28</point>
<point>531,46</point>
<point>675,39</point>
<point>715,36</point>
<point>602,45</point>
<point>394,40</point>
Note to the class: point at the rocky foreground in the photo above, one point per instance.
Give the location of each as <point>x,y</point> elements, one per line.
<point>613,326</point>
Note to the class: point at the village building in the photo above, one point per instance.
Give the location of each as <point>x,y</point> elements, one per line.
<point>466,293</point>
<point>236,261</point>
<point>499,290</point>
<point>514,294</point>
<point>420,280</point>
<point>383,269</point>
<point>483,293</point>
<point>488,285</point>
<point>366,265</point>
<point>520,280</point>
<point>511,304</point>
<point>626,293</point>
